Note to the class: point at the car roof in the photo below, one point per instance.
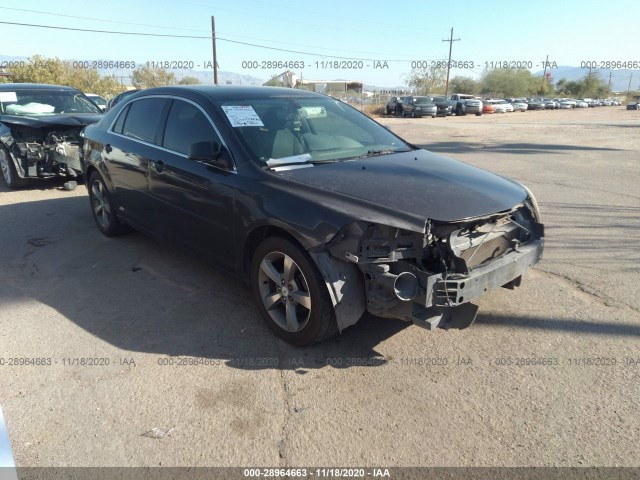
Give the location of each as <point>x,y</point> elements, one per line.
<point>13,87</point>
<point>224,92</point>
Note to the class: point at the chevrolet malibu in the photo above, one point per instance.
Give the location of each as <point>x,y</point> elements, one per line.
<point>325,213</point>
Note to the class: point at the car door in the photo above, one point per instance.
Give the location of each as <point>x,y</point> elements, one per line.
<point>127,153</point>
<point>194,200</point>
<point>408,103</point>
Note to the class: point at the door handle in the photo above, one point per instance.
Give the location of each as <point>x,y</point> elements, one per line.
<point>157,166</point>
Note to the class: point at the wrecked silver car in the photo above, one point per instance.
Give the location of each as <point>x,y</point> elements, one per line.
<point>40,129</point>
<point>323,211</point>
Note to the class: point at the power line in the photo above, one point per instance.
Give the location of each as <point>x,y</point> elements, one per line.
<point>166,27</point>
<point>98,19</point>
<point>200,37</point>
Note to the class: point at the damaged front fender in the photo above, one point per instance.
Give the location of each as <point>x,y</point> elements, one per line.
<point>345,286</point>
<point>430,277</point>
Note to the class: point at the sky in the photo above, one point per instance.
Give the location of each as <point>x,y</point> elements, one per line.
<point>374,41</point>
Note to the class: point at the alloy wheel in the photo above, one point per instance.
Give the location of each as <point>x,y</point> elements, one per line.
<point>100,204</point>
<point>284,292</point>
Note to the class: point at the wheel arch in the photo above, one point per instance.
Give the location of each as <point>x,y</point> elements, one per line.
<point>11,158</point>
<point>260,233</point>
<point>347,297</point>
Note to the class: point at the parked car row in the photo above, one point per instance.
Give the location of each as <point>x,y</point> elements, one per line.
<point>562,103</point>
<point>459,104</point>
<point>418,106</point>
<point>503,105</point>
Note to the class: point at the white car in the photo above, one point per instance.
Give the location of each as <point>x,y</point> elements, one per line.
<point>500,106</point>
<point>519,105</point>
<point>567,103</point>
<point>99,100</point>
<point>581,104</point>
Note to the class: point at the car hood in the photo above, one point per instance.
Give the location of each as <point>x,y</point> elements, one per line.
<point>411,187</point>
<point>40,121</point>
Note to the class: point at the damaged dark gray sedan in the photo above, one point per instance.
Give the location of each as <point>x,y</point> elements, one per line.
<point>39,131</point>
<point>326,213</point>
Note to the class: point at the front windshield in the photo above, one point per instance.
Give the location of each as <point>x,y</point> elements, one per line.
<point>422,100</point>
<point>45,102</point>
<point>307,129</point>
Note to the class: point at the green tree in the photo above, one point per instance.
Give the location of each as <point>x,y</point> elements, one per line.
<point>427,80</point>
<point>506,82</point>
<point>189,80</point>
<point>462,84</point>
<point>569,88</point>
<point>590,86</point>
<point>593,86</point>
<point>54,71</point>
<point>152,77</point>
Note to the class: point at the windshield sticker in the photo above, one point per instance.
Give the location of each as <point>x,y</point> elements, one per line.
<point>242,116</point>
<point>8,97</point>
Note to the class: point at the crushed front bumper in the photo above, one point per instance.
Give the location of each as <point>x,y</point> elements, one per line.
<point>443,301</point>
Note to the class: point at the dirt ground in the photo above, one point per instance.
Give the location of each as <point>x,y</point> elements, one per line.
<point>549,375</point>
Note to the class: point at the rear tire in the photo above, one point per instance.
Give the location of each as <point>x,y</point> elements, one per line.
<point>9,172</point>
<point>290,293</point>
<point>478,114</point>
<point>102,207</point>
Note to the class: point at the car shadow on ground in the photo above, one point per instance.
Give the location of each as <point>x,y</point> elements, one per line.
<point>142,296</point>
<point>41,184</point>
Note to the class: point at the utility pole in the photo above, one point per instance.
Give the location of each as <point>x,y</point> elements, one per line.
<point>450,40</point>
<point>609,86</point>
<point>215,56</point>
<point>629,87</point>
<point>544,74</point>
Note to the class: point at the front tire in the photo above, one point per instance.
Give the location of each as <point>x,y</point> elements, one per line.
<point>290,293</point>
<point>102,207</point>
<point>9,172</point>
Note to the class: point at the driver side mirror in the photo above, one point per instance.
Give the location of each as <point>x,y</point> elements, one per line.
<point>212,153</point>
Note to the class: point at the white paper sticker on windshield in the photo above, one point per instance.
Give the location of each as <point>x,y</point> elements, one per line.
<point>242,116</point>
<point>8,97</point>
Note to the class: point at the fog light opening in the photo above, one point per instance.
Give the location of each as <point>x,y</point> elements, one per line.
<point>406,286</point>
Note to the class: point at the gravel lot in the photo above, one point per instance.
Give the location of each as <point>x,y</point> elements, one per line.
<point>385,393</point>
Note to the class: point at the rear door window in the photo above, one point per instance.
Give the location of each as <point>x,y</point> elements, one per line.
<point>144,119</point>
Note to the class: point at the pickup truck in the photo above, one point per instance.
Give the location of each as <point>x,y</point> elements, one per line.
<point>462,104</point>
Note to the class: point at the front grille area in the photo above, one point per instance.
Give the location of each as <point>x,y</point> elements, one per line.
<point>490,249</point>
<point>471,248</point>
